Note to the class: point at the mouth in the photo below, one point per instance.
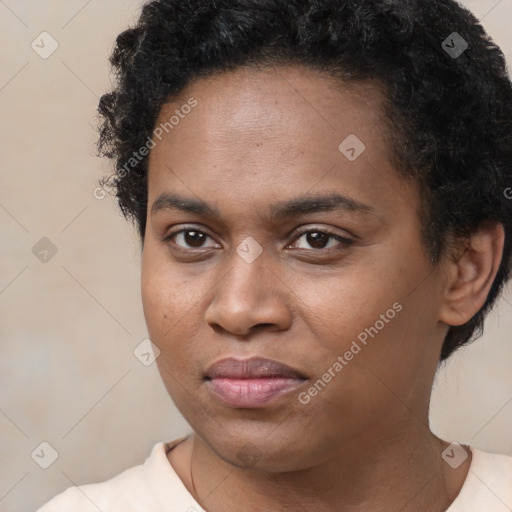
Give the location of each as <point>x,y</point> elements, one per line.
<point>253,382</point>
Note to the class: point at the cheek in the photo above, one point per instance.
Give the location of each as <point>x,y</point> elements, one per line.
<point>161,286</point>
<point>371,317</point>
<point>341,306</point>
<point>155,310</point>
<point>158,296</point>
<point>169,327</point>
<point>171,303</point>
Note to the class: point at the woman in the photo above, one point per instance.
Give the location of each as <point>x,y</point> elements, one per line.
<point>320,189</point>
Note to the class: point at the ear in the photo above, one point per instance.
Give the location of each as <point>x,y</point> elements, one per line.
<point>470,275</point>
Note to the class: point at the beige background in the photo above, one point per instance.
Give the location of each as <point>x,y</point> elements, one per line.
<point>69,326</point>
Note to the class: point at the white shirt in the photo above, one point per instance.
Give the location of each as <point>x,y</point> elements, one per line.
<point>155,487</point>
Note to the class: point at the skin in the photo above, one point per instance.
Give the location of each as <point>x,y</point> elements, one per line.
<point>260,136</point>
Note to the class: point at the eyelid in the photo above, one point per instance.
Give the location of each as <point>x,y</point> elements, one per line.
<point>311,228</point>
<point>344,241</point>
<point>186,227</point>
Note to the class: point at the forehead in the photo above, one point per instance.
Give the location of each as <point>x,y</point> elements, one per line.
<point>256,135</point>
<point>250,100</point>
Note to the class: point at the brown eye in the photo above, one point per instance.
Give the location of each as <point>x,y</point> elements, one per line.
<point>190,238</point>
<point>318,239</point>
<point>194,238</point>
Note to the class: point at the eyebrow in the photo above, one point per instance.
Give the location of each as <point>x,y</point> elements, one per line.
<point>301,205</point>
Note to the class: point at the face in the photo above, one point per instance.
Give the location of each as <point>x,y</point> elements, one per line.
<point>277,228</point>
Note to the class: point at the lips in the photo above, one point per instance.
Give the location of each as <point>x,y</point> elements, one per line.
<point>253,368</point>
<point>251,383</point>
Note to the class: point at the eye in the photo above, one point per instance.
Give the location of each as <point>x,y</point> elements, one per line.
<point>318,239</point>
<point>190,238</point>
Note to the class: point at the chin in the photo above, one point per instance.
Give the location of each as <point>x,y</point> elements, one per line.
<point>259,448</point>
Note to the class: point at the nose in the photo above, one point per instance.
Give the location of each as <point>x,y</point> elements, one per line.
<point>249,296</point>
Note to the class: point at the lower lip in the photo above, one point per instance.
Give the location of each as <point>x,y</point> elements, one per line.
<point>252,392</point>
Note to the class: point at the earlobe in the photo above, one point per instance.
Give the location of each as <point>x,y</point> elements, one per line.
<point>471,274</point>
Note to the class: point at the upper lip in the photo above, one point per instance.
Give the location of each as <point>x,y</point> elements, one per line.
<point>252,368</point>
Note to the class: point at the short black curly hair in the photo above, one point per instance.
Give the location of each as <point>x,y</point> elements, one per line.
<point>450,115</point>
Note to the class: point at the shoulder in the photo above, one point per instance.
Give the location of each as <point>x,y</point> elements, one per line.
<point>488,485</point>
<point>495,470</point>
<point>489,461</point>
<point>128,491</point>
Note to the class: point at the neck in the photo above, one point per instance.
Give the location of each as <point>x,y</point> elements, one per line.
<point>398,469</point>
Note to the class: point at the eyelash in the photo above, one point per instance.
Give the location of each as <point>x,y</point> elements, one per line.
<point>344,242</point>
